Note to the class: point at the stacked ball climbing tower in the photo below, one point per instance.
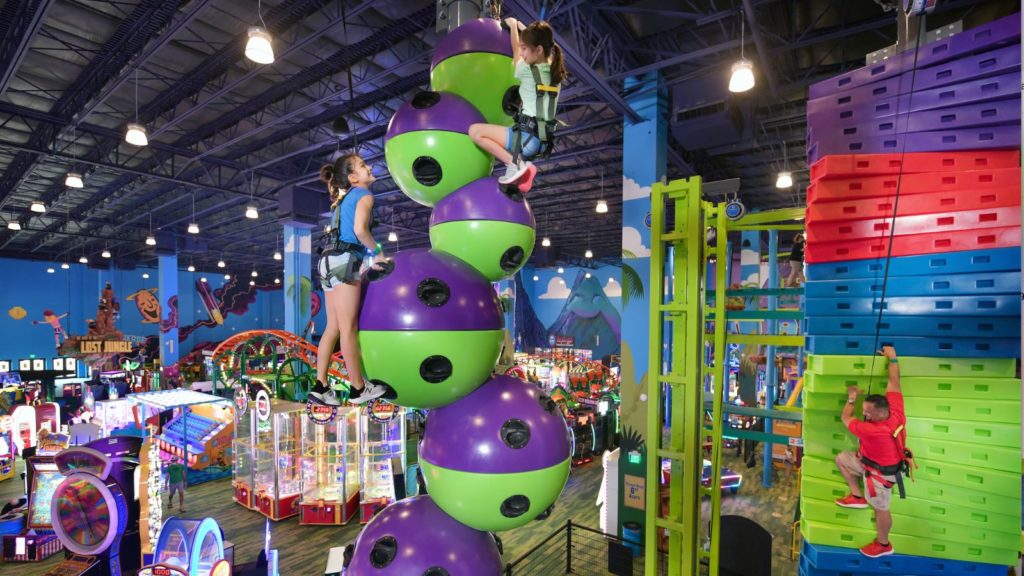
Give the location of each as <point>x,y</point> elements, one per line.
<point>913,240</point>
<point>496,450</point>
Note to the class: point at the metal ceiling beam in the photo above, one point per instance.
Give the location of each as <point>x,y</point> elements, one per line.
<point>145,21</point>
<point>762,48</point>
<point>19,23</point>
<point>579,66</point>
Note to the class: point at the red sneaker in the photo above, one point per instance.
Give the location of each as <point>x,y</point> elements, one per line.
<point>876,550</point>
<point>526,181</point>
<point>852,501</point>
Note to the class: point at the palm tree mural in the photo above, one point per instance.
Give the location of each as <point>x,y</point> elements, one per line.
<point>632,283</point>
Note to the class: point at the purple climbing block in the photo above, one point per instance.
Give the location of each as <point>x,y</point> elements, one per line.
<point>992,35</point>
<point>992,63</point>
<point>1005,136</point>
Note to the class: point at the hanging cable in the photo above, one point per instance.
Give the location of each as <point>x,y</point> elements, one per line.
<point>351,89</point>
<point>895,210</point>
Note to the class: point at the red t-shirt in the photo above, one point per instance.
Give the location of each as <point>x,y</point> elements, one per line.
<point>876,439</point>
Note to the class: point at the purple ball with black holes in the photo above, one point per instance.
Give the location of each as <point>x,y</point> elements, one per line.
<point>413,537</point>
<point>431,329</point>
<point>499,457</point>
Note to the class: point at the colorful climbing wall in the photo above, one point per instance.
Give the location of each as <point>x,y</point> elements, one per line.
<point>913,240</point>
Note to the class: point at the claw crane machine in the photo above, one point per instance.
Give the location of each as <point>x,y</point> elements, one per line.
<point>382,457</point>
<point>330,465</point>
<point>267,477</point>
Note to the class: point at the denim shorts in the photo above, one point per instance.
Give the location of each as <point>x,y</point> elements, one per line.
<point>531,144</point>
<point>339,268</point>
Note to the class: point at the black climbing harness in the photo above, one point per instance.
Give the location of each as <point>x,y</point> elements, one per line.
<point>543,127</point>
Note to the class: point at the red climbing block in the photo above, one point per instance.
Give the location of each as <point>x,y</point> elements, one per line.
<point>927,203</point>
<point>912,225</point>
<point>861,165</point>
<point>934,243</point>
<point>966,182</point>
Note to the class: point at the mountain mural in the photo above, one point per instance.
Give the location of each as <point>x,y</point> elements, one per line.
<point>589,317</point>
<point>529,329</point>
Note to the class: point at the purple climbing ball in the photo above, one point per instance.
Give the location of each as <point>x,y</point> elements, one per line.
<point>430,290</point>
<point>480,35</point>
<point>484,199</point>
<point>413,537</point>
<point>440,111</point>
<point>504,426</point>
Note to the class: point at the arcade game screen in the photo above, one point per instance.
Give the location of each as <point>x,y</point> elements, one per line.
<point>84,513</point>
<point>44,483</point>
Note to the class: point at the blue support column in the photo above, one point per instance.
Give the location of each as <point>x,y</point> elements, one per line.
<point>771,377</point>
<point>167,289</point>
<point>644,162</point>
<point>298,266</point>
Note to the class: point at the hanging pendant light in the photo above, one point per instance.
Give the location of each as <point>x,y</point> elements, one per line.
<point>191,268</point>
<point>38,207</point>
<point>221,263</point>
<point>74,180</point>
<point>65,266</point>
<point>251,212</point>
<point>259,47</point>
<point>50,270</point>
<point>602,207</point>
<point>546,242</point>
<point>742,77</point>
<point>785,179</point>
<point>14,225</point>
<point>83,260</point>
<point>150,240</point>
<point>392,237</point>
<point>136,132</point>
<point>193,228</point>
<point>105,253</point>
<point>561,270</point>
<point>277,255</point>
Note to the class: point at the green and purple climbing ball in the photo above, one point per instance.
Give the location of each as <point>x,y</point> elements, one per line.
<point>475,62</point>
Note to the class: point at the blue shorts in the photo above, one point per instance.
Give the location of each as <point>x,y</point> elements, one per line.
<point>531,144</point>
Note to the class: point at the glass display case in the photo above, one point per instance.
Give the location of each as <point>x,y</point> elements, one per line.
<point>277,433</point>
<point>242,450</point>
<point>113,415</point>
<point>382,457</point>
<point>330,468</point>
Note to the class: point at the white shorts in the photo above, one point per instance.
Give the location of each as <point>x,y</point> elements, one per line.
<point>339,268</point>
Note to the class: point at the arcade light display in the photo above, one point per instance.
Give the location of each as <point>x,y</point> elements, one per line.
<point>153,514</point>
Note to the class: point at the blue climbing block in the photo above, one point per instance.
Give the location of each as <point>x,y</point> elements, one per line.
<point>933,346</point>
<point>932,326</point>
<point>987,305</point>
<point>969,261</point>
<point>832,560</point>
<point>938,285</point>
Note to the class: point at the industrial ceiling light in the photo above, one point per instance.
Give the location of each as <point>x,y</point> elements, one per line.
<point>251,212</point>
<point>277,255</point>
<point>392,237</point>
<point>65,266</point>
<point>546,242</point>
<point>742,78</point>
<point>14,225</point>
<point>277,280</point>
<point>50,270</point>
<point>227,276</point>
<point>785,180</point>
<point>193,228</point>
<point>221,263</point>
<point>259,48</point>
<point>191,268</point>
<point>38,207</point>
<point>536,278</point>
<point>150,240</point>
<point>83,260</point>
<point>203,279</point>
<point>145,275</point>
<point>74,180</point>
<point>136,132</point>
<point>588,254</point>
<point>105,253</point>
<point>588,274</point>
<point>602,207</point>
<point>561,270</point>
<point>252,282</point>
<point>254,274</point>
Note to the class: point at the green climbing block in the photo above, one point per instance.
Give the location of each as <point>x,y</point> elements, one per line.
<point>955,495</point>
<point>959,547</point>
<point>828,512</point>
<point>818,489</point>
<point>989,389</point>
<point>952,514</point>
<point>817,382</point>
<point>1005,411</point>
<point>979,432</point>
<point>847,365</point>
<point>973,367</point>
<point>979,455</point>
<point>821,468</point>
<point>969,477</point>
<point>825,436</point>
<point>831,402</point>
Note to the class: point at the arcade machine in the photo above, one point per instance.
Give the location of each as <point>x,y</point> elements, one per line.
<point>206,431</point>
<point>268,475</point>
<point>242,450</point>
<point>188,548</point>
<point>38,543</point>
<point>330,468</point>
<point>583,435</point>
<point>6,449</point>
<point>112,415</point>
<point>114,384</point>
<point>26,421</point>
<point>95,512</point>
<point>382,458</point>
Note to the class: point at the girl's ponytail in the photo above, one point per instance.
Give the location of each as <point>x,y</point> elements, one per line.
<point>558,70</point>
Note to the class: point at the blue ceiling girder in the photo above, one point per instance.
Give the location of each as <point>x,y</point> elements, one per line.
<point>146,20</point>
<point>19,23</point>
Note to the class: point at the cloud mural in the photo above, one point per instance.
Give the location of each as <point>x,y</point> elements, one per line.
<point>633,243</point>
<point>557,290</point>
<point>613,289</point>
<point>633,191</point>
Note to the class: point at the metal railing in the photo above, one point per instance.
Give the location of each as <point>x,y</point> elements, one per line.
<point>575,549</point>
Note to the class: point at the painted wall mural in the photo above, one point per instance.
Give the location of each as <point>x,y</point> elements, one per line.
<point>570,304</point>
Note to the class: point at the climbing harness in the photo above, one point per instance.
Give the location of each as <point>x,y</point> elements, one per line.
<point>543,127</point>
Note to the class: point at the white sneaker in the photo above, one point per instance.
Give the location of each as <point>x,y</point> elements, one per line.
<point>324,395</point>
<point>513,171</point>
<point>371,391</point>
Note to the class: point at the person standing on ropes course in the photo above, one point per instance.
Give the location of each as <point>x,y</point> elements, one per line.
<point>540,69</point>
<point>349,243</point>
<point>881,456</point>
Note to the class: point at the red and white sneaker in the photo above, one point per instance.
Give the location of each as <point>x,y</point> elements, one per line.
<point>876,550</point>
<point>852,501</point>
<point>526,180</point>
